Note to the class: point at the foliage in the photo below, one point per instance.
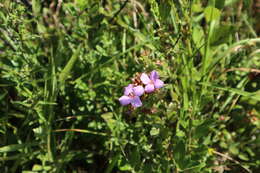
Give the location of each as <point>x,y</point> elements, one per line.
<point>64,64</point>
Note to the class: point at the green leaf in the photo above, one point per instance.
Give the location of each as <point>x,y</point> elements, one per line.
<point>233,149</point>
<point>221,34</point>
<point>65,72</point>
<point>232,49</point>
<point>37,167</point>
<point>108,117</point>
<point>154,131</point>
<point>211,13</point>
<point>196,75</point>
<point>203,130</point>
<point>230,2</point>
<point>115,159</point>
<point>15,147</point>
<point>36,6</point>
<point>41,28</point>
<point>126,167</point>
<point>197,8</point>
<point>198,37</point>
<point>179,154</point>
<point>243,156</point>
<point>253,95</point>
<point>135,158</point>
<point>3,95</point>
<point>220,4</point>
<point>180,133</point>
<point>81,4</point>
<point>164,9</point>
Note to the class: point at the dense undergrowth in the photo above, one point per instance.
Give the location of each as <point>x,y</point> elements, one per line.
<point>64,65</point>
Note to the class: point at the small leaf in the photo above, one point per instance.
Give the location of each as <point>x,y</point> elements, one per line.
<point>15,147</point>
<point>36,7</point>
<point>108,117</point>
<point>197,8</point>
<point>41,28</point>
<point>65,72</point>
<point>154,131</point>
<point>126,167</point>
<point>198,37</point>
<point>180,133</point>
<point>233,149</point>
<point>211,14</point>
<point>81,4</point>
<point>203,130</point>
<point>37,167</point>
<point>243,156</point>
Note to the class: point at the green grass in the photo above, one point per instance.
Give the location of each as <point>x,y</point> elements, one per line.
<point>63,66</point>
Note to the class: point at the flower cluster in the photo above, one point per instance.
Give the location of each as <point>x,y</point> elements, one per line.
<point>141,84</point>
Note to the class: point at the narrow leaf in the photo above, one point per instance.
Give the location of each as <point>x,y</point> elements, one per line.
<point>15,147</point>
<point>253,95</point>
<point>65,72</point>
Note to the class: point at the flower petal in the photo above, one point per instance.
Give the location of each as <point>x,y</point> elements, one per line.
<point>138,90</point>
<point>145,79</point>
<point>149,88</point>
<point>158,83</point>
<point>125,100</point>
<point>128,89</point>
<point>154,75</point>
<point>136,102</point>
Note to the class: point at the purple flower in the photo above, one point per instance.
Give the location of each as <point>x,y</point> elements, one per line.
<point>132,95</point>
<point>151,83</point>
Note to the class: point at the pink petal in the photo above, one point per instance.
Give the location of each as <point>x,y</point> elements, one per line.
<point>128,89</point>
<point>154,75</point>
<point>158,83</point>
<point>125,100</point>
<point>136,102</point>
<point>149,88</point>
<point>138,91</point>
<point>145,79</point>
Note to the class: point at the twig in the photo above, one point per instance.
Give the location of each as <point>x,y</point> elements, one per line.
<point>8,41</point>
<point>121,8</point>
<point>177,41</point>
<point>140,6</point>
<point>243,69</point>
<point>231,159</point>
<point>58,7</point>
<point>27,4</point>
<point>134,14</point>
<point>80,130</point>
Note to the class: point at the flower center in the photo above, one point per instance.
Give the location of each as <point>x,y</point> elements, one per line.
<point>131,95</point>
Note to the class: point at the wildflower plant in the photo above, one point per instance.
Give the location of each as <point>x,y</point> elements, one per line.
<point>132,95</point>
<point>151,82</point>
<point>142,84</point>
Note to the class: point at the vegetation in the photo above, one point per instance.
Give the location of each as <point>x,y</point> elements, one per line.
<point>64,65</point>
